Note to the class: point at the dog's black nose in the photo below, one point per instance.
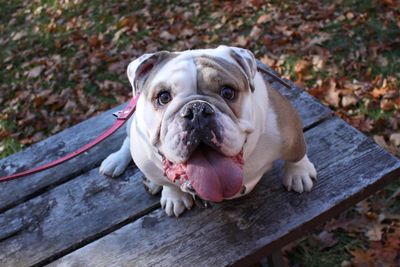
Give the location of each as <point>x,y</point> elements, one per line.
<point>197,113</point>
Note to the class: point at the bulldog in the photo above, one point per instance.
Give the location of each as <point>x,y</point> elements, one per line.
<point>207,124</point>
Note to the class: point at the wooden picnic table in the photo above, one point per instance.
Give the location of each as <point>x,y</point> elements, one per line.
<point>73,216</point>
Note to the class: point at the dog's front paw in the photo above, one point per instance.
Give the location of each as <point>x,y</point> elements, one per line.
<point>299,175</point>
<point>174,201</point>
<point>115,164</point>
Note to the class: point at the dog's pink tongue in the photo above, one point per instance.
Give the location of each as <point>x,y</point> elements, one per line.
<point>214,176</point>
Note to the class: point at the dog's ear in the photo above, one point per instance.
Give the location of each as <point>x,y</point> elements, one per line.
<point>139,70</point>
<point>246,60</point>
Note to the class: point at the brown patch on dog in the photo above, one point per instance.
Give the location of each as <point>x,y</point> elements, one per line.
<point>214,73</point>
<point>247,65</point>
<point>289,124</point>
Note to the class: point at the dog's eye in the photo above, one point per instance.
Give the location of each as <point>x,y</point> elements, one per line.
<point>163,98</point>
<point>227,93</point>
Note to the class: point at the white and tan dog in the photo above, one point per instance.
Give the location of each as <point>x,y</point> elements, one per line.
<point>208,124</point>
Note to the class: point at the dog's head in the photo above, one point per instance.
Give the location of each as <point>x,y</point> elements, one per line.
<point>194,109</point>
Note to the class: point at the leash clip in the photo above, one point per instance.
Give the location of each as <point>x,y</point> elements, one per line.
<point>121,114</point>
<point>127,112</point>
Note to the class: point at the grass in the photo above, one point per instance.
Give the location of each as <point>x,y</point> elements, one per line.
<point>9,146</point>
<point>308,252</point>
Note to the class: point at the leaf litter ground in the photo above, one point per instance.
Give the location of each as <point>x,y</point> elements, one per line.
<point>64,61</point>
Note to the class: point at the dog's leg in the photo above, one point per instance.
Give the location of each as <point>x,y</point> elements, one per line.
<point>174,201</point>
<point>116,163</point>
<point>150,187</point>
<point>298,175</point>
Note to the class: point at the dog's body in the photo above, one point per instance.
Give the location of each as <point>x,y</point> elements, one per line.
<point>207,123</point>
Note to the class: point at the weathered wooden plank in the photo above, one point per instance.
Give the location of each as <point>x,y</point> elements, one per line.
<point>14,192</point>
<point>241,231</point>
<point>70,216</point>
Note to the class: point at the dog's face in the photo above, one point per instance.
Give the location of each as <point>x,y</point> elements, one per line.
<point>194,111</point>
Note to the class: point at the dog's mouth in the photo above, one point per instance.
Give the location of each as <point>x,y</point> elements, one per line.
<point>207,173</point>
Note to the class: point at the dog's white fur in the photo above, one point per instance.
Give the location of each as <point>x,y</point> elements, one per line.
<point>256,131</point>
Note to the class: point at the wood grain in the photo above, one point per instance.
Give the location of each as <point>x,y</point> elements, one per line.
<point>242,230</point>
<point>56,146</point>
<point>71,215</point>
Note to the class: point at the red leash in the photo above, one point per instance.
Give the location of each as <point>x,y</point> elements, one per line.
<point>122,117</point>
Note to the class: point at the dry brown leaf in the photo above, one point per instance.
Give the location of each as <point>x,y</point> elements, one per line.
<point>94,41</point>
<point>255,32</point>
<point>387,105</point>
<point>349,15</point>
<point>349,100</point>
<point>362,259</point>
<point>268,60</point>
<point>301,66</point>
<point>374,232</point>
<point>380,140</point>
<point>318,62</point>
<point>118,34</point>
<point>395,139</point>
<point>332,95</point>
<point>326,240</point>
<point>187,32</point>
<point>19,35</point>
<point>35,72</point>
<point>318,40</point>
<point>264,18</point>
<point>362,124</point>
<point>387,252</point>
<point>241,41</point>
<point>167,36</point>
<point>378,92</point>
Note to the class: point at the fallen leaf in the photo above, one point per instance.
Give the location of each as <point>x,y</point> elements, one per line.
<point>186,33</point>
<point>268,60</point>
<point>19,35</point>
<point>35,72</point>
<point>380,140</point>
<point>387,105</point>
<point>318,62</point>
<point>167,36</point>
<point>387,252</point>
<point>241,41</point>
<point>349,100</point>
<point>349,15</point>
<point>378,92</point>
<point>395,139</point>
<point>363,124</point>
<point>361,259</point>
<point>332,95</point>
<point>318,40</point>
<point>264,18</point>
<point>300,66</point>
<point>374,232</point>
<point>118,34</point>
<point>326,240</point>
<point>255,32</point>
